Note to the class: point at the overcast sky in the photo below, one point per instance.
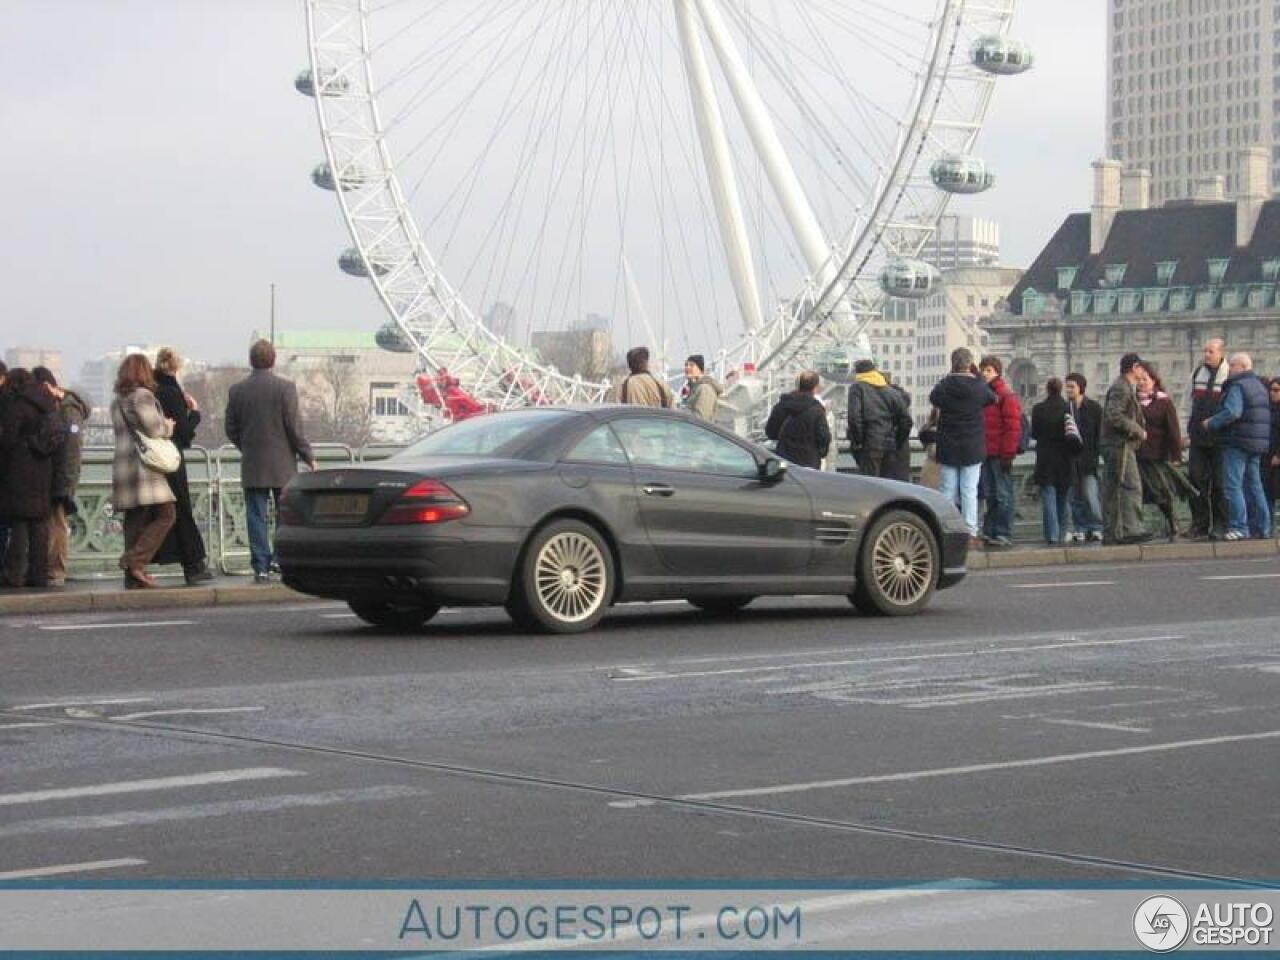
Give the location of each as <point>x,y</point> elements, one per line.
<point>156,156</point>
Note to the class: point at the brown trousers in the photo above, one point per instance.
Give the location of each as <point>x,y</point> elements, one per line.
<point>144,530</point>
<point>59,543</point>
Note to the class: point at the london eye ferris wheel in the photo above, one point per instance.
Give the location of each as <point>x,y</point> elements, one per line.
<point>747,179</point>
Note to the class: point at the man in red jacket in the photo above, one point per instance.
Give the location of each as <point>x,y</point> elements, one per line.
<point>1004,434</point>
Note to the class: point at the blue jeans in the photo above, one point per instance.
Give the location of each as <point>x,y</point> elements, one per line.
<point>960,486</point>
<point>1053,512</point>
<point>256,501</point>
<point>998,485</point>
<point>1248,511</point>
<point>1086,505</point>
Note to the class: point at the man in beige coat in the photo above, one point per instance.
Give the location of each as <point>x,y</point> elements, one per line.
<point>642,388</point>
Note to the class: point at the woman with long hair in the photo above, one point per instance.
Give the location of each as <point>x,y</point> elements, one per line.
<point>184,544</point>
<point>140,493</point>
<point>1162,481</point>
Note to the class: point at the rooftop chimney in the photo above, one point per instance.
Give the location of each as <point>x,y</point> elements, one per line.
<point>1209,189</point>
<point>1253,180</point>
<point>1135,189</point>
<point>1106,202</point>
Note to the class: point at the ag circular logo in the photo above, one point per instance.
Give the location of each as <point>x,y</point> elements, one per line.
<point>1161,924</point>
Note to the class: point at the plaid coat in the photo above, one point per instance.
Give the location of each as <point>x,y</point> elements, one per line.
<point>132,484</point>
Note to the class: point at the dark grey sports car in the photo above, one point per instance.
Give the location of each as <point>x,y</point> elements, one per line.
<point>558,513</point>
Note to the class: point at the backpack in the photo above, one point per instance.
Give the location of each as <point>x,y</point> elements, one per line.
<point>1024,433</point>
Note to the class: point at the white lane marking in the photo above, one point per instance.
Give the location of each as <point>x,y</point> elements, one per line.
<point>118,626</point>
<point>83,703</point>
<point>175,713</point>
<point>200,811</point>
<point>1246,576</point>
<point>972,652</point>
<point>62,868</point>
<point>155,783</point>
<point>980,767</point>
<point>24,726</point>
<point>1095,725</point>
<point>1060,585</point>
<point>337,616</point>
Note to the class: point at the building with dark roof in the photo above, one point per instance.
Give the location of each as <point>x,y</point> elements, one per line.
<point>1156,281</point>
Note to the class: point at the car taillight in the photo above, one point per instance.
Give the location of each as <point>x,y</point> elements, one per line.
<point>427,501</point>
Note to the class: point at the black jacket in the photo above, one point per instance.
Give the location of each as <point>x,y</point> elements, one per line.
<point>174,405</point>
<point>1207,386</point>
<point>1089,420</point>
<point>877,414</point>
<point>1053,454</point>
<point>31,433</point>
<point>962,430</point>
<point>798,422</point>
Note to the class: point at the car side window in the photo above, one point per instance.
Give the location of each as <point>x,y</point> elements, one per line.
<point>680,445</point>
<point>599,446</point>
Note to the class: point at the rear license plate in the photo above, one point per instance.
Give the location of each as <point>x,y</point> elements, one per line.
<point>340,507</point>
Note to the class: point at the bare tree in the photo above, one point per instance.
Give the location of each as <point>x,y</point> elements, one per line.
<point>210,388</point>
<point>336,404</point>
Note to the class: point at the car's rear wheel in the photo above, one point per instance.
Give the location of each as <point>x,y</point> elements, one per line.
<point>565,580</point>
<point>897,566</point>
<point>720,605</point>
<point>395,616</point>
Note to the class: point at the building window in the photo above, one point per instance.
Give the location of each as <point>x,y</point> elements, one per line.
<point>1066,277</point>
<point>1114,274</point>
<point>1218,268</point>
<point>1165,270</point>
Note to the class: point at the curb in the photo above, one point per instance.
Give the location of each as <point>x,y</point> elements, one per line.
<point>171,598</point>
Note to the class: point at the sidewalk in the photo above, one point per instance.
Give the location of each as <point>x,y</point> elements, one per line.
<point>89,595</point>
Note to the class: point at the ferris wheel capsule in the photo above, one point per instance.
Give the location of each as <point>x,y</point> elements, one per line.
<point>354,264</point>
<point>961,173</point>
<point>390,337</point>
<point>332,84</point>
<point>352,178</point>
<point>1001,56</point>
<point>912,279</point>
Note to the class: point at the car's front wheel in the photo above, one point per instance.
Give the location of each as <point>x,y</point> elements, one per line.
<point>394,616</point>
<point>897,566</point>
<point>565,580</point>
<point>721,606</point>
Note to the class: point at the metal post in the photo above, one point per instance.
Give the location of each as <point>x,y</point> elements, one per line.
<point>273,314</point>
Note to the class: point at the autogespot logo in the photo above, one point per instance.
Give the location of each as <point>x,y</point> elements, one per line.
<point>1161,924</point>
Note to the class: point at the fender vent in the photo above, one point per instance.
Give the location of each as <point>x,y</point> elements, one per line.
<point>834,535</point>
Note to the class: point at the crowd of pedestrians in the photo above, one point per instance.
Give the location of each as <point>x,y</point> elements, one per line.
<point>153,420</point>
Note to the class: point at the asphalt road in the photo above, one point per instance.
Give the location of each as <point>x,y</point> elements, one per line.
<point>1059,724</point>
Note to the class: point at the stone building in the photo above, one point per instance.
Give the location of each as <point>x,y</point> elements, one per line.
<point>1157,281</point>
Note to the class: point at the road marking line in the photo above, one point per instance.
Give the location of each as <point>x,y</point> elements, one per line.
<point>83,703</point>
<point>337,616</point>
<point>72,868</point>
<point>155,783</point>
<point>175,713</point>
<point>1247,576</point>
<point>1069,644</point>
<point>1064,584</point>
<point>979,767</point>
<point>24,726</point>
<point>1095,725</point>
<point>57,628</point>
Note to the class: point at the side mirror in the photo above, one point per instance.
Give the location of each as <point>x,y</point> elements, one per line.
<point>773,468</point>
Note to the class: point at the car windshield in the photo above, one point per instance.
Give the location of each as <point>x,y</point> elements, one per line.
<point>498,434</point>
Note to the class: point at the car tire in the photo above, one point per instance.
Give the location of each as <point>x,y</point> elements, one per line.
<point>898,566</point>
<point>720,606</point>
<point>393,616</point>
<point>564,583</point>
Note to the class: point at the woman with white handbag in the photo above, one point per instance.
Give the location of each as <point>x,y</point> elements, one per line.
<point>143,457</point>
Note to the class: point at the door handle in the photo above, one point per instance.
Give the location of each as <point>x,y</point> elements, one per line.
<point>659,490</point>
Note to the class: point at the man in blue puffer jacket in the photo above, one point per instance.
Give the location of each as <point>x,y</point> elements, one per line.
<point>1245,424</point>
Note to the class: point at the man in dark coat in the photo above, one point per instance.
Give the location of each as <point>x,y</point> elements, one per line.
<point>897,465</point>
<point>31,431</point>
<point>961,398</point>
<point>1204,456</point>
<point>1123,432</point>
<point>263,422</point>
<point>877,415</point>
<point>1244,423</point>
<point>798,424</point>
<point>66,472</point>
<point>1086,504</point>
